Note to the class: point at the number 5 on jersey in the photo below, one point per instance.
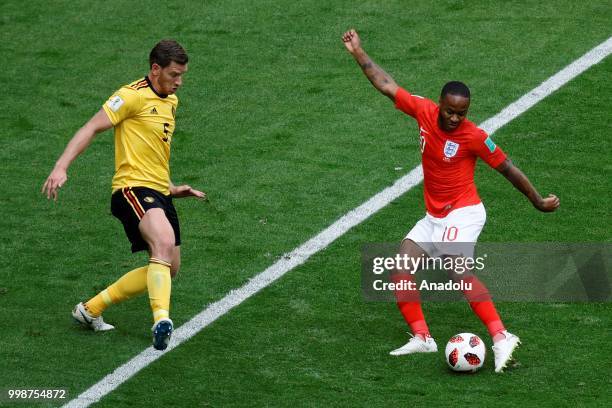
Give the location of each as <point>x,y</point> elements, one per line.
<point>166,131</point>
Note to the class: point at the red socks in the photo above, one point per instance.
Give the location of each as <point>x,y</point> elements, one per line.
<point>409,304</point>
<point>413,314</point>
<point>482,305</point>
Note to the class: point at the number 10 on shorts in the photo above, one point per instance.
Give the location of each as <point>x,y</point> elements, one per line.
<point>450,234</point>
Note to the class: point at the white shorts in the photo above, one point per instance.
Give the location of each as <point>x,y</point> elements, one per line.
<point>455,234</point>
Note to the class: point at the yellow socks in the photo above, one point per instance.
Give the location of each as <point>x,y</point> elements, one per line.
<point>128,286</point>
<point>155,277</point>
<point>159,284</point>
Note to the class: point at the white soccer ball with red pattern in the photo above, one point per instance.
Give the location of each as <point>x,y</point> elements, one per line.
<point>465,352</point>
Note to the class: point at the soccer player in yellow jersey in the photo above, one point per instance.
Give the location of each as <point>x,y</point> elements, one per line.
<point>142,114</point>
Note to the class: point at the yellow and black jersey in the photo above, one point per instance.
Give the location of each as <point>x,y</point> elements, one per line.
<point>144,124</point>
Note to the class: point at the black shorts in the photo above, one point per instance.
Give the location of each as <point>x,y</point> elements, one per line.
<point>129,205</point>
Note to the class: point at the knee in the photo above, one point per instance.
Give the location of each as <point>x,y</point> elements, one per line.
<point>460,277</point>
<point>475,291</point>
<point>163,248</point>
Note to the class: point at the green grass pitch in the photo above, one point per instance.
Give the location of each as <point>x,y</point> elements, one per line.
<point>278,125</point>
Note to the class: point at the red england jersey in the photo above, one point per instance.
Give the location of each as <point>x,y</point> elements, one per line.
<point>448,158</point>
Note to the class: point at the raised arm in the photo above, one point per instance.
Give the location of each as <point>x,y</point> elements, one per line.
<point>379,78</point>
<point>520,181</point>
<point>79,142</point>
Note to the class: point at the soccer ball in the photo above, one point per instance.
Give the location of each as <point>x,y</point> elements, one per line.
<point>465,352</point>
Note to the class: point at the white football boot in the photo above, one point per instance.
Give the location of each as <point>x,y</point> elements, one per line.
<point>416,345</point>
<point>503,350</point>
<point>85,319</point>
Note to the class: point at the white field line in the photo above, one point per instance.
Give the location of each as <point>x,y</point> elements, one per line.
<point>354,217</point>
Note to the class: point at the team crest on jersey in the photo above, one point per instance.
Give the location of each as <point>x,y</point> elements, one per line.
<point>450,149</point>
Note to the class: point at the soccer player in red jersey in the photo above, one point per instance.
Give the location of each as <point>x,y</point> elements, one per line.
<point>450,145</point>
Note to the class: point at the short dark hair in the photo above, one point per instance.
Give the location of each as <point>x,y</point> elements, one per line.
<point>455,88</point>
<point>167,51</point>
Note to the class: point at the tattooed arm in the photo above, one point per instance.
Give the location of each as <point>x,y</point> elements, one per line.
<point>522,184</point>
<point>379,78</point>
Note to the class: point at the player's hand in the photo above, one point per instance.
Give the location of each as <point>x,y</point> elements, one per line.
<point>54,182</point>
<point>351,41</point>
<point>187,191</point>
<point>548,204</point>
